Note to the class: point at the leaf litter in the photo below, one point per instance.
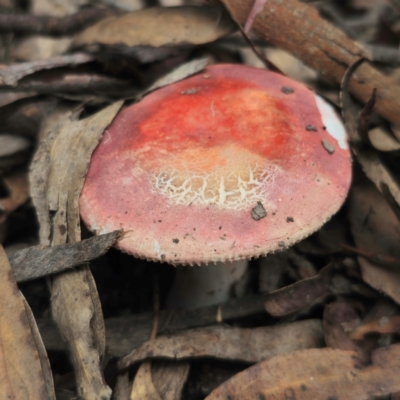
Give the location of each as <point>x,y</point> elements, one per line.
<point>338,288</point>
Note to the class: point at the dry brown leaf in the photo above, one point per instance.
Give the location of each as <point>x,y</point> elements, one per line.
<point>57,179</point>
<point>317,374</point>
<point>128,332</point>
<point>382,140</point>
<point>335,336</point>
<point>24,367</point>
<point>383,325</point>
<point>368,158</point>
<point>36,261</point>
<point>143,387</point>
<point>169,377</point>
<point>248,345</point>
<point>10,75</point>
<point>12,144</point>
<point>376,230</point>
<point>17,186</point>
<point>179,73</point>
<point>158,28</point>
<point>300,294</point>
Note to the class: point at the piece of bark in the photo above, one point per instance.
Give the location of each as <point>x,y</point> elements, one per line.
<point>128,332</point>
<point>247,345</point>
<point>24,368</point>
<point>315,374</point>
<point>289,24</point>
<point>52,26</point>
<point>57,179</point>
<point>36,261</point>
<point>11,74</point>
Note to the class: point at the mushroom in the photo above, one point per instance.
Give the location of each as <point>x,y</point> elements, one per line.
<point>232,163</point>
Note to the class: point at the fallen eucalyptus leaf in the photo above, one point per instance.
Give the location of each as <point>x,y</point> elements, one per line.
<point>317,374</point>
<point>169,378</point>
<point>305,292</point>
<point>12,74</point>
<point>158,28</point>
<point>248,345</point>
<point>143,387</point>
<point>36,261</point>
<point>179,73</point>
<point>376,229</point>
<point>24,367</point>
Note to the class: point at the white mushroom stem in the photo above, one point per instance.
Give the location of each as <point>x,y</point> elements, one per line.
<point>206,285</point>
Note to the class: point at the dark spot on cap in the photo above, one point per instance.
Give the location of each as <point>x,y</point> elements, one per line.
<point>189,91</point>
<point>311,128</point>
<point>287,90</point>
<point>328,146</point>
<point>258,211</point>
<point>62,228</point>
<point>289,219</point>
<point>260,396</point>
<point>175,240</point>
<point>303,388</point>
<point>163,257</point>
<point>220,228</point>
<point>324,128</point>
<point>281,244</point>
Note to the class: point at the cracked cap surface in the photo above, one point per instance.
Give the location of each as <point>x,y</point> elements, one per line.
<point>225,165</point>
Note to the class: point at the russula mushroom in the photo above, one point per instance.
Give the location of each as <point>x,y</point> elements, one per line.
<point>232,163</point>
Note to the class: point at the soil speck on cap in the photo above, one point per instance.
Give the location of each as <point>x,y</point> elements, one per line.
<point>311,128</point>
<point>189,91</point>
<point>175,240</point>
<point>281,244</point>
<point>328,146</point>
<point>289,219</point>
<point>258,211</point>
<point>287,90</point>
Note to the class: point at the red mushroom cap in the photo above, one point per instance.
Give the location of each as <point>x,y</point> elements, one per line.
<point>232,163</point>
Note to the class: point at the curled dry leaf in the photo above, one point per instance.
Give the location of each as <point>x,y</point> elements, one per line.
<point>24,367</point>
<point>36,261</point>
<point>159,28</point>
<point>376,229</point>
<point>317,374</point>
<point>248,345</point>
<point>10,75</point>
